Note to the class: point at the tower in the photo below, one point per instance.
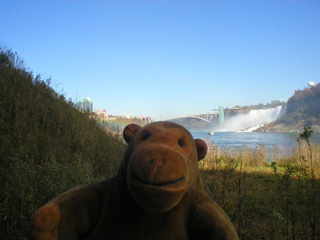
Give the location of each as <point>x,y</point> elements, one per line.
<point>221,116</point>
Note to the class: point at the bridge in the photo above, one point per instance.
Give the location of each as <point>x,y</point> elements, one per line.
<point>204,117</point>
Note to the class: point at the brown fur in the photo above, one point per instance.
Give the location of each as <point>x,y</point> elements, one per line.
<point>156,194</point>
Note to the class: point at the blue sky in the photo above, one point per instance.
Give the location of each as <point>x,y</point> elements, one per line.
<point>167,57</point>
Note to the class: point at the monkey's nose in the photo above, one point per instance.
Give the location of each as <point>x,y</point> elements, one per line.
<point>155,163</point>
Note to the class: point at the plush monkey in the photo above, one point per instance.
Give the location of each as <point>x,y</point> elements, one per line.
<point>157,193</point>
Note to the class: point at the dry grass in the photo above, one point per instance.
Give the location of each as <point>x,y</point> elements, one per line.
<point>267,194</point>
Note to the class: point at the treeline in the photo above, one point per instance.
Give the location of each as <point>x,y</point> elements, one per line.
<point>238,108</point>
<point>46,146</point>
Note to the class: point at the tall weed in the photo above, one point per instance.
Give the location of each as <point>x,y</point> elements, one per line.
<point>268,194</point>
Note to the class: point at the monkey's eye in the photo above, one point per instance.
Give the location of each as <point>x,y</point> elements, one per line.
<point>181,143</point>
<point>146,135</point>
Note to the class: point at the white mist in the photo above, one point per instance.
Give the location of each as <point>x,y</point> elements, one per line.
<point>252,120</point>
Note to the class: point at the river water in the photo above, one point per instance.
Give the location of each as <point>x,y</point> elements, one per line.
<point>251,139</point>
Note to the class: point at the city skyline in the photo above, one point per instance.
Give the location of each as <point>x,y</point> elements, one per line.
<point>167,57</point>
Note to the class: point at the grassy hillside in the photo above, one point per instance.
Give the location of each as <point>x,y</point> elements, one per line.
<point>46,146</point>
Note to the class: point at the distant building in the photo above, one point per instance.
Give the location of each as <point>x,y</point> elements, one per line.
<point>102,114</point>
<point>128,114</point>
<point>85,105</point>
<point>278,101</point>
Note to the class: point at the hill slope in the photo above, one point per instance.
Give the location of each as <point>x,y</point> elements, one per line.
<point>46,146</point>
<point>303,108</point>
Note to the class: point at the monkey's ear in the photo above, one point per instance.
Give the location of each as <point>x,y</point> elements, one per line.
<point>201,148</point>
<point>129,131</point>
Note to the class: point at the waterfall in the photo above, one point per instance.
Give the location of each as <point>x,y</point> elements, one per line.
<point>247,122</point>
